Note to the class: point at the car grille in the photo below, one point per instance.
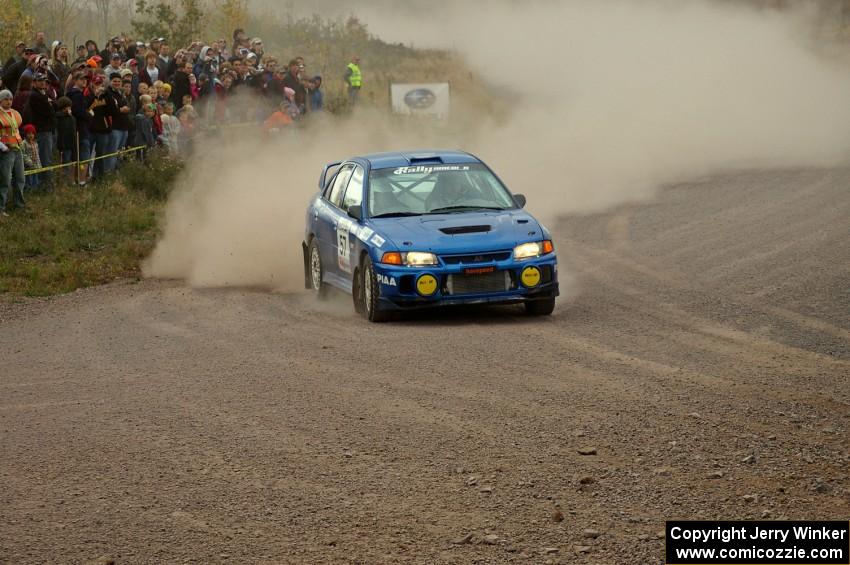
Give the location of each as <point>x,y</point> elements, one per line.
<point>475,258</point>
<point>497,281</point>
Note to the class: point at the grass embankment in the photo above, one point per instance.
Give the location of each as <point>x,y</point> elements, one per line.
<point>78,237</point>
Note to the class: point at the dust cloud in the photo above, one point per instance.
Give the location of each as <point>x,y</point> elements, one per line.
<point>607,101</point>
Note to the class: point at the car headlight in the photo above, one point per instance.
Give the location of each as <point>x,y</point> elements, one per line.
<point>533,249</point>
<point>410,259</point>
<point>419,259</point>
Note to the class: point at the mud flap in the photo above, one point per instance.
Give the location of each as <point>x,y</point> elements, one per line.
<point>305,252</point>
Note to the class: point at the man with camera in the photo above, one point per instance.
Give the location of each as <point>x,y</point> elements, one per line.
<point>41,113</point>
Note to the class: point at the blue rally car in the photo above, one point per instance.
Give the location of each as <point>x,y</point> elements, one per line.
<point>408,230</point>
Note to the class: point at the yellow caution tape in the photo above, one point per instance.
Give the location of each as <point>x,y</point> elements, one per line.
<point>83,162</point>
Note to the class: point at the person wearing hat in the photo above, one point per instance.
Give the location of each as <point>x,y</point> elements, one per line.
<point>17,56</point>
<point>82,118</point>
<point>11,157</point>
<point>114,46</point>
<point>42,115</point>
<point>13,73</point>
<point>114,65</point>
<point>121,120</point>
<point>82,54</point>
<point>32,160</point>
<point>38,64</point>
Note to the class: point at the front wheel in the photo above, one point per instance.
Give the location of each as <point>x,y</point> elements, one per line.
<point>540,307</point>
<point>370,290</point>
<point>317,272</point>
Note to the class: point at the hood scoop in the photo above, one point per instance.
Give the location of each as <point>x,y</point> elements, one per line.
<point>458,230</point>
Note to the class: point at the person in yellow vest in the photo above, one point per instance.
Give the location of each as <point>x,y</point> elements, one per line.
<point>11,157</point>
<point>354,80</point>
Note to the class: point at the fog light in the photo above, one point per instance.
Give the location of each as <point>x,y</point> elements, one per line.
<point>530,277</point>
<point>426,285</point>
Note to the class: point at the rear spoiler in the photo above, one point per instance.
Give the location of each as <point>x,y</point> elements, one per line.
<point>324,174</point>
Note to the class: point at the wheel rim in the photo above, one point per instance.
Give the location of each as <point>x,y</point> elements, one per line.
<point>315,269</point>
<point>367,289</point>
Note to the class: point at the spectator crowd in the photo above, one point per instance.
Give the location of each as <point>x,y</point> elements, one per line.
<point>59,106</point>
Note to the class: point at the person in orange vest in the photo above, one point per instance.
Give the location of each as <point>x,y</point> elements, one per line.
<point>11,157</point>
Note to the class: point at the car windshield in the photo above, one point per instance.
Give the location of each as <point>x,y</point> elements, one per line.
<point>435,189</point>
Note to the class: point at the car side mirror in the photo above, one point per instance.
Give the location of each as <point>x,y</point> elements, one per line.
<point>520,200</point>
<point>355,212</point>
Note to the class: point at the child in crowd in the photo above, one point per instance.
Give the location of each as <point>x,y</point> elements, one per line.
<point>132,104</point>
<point>31,158</point>
<point>194,89</point>
<point>188,118</point>
<point>317,97</point>
<point>164,92</point>
<point>144,126</point>
<point>143,89</point>
<point>170,129</point>
<point>66,133</point>
<point>289,101</point>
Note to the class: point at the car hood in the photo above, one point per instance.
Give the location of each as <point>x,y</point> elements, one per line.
<point>459,233</point>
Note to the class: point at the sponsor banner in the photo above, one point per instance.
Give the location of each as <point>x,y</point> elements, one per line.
<point>758,543</point>
<point>423,99</point>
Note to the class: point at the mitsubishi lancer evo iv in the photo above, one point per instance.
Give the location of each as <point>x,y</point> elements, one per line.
<point>401,231</point>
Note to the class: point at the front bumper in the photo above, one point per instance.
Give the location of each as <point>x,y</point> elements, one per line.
<point>399,284</point>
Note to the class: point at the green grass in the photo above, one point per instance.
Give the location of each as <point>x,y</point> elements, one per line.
<point>79,237</point>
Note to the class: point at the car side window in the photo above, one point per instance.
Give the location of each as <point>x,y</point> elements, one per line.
<point>339,184</point>
<point>354,192</point>
<point>329,184</point>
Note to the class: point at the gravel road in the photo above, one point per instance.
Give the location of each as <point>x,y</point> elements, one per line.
<point>695,368</point>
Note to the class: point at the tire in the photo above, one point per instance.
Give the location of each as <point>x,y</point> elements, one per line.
<point>371,292</point>
<point>542,307</point>
<point>357,290</point>
<point>316,271</point>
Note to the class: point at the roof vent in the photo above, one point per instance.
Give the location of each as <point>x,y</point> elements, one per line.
<point>424,158</point>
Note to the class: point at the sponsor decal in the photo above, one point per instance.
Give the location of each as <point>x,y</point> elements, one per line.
<point>420,98</point>
<point>365,234</point>
<point>479,270</point>
<point>428,169</point>
<point>378,240</point>
<point>426,285</point>
<point>530,276</point>
<point>384,279</point>
<point>343,230</point>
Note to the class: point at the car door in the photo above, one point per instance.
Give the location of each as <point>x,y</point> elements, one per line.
<point>348,227</point>
<point>329,220</point>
